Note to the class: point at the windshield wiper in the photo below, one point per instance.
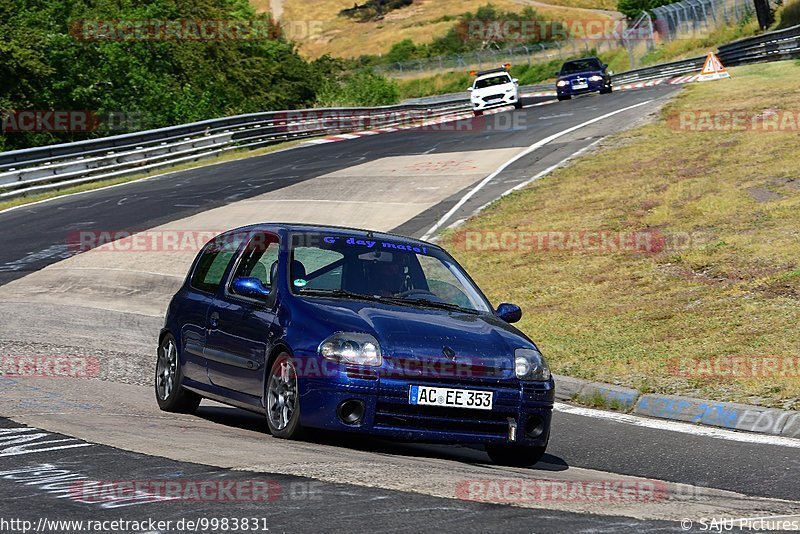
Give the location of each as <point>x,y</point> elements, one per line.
<point>430,304</point>
<point>339,293</point>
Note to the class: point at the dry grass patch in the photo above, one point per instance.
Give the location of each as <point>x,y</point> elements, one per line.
<point>421,22</point>
<point>732,291</point>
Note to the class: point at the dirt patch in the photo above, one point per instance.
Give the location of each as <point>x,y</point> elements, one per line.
<point>762,194</point>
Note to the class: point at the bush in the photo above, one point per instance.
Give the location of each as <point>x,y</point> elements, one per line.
<point>790,15</point>
<point>360,88</point>
<point>167,82</point>
<point>373,9</point>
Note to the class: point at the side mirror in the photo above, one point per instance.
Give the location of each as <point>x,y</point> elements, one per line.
<point>605,66</point>
<point>515,80</point>
<point>611,73</point>
<point>510,313</point>
<point>250,287</point>
<point>557,73</point>
<point>469,88</point>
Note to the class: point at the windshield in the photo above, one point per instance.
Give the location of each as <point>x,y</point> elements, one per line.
<point>374,268</point>
<point>581,65</point>
<point>492,81</point>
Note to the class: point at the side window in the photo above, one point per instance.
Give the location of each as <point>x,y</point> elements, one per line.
<point>214,261</point>
<point>260,254</point>
<point>322,268</point>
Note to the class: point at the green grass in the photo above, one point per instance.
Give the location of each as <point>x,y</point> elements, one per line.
<point>617,60</point>
<point>624,317</point>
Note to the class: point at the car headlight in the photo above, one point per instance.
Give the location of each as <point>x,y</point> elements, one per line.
<point>595,78</point>
<point>562,83</point>
<point>352,347</point>
<point>529,364</point>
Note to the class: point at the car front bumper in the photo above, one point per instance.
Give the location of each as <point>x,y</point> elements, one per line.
<point>494,101</point>
<point>525,407</point>
<point>592,87</point>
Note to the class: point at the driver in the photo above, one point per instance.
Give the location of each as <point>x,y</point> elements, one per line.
<point>387,278</point>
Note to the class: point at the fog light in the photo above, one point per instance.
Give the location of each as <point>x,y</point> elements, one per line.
<point>534,426</point>
<point>351,412</point>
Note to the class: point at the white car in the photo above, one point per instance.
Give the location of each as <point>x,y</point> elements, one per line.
<point>494,88</point>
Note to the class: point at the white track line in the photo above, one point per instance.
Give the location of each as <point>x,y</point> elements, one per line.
<point>516,158</point>
<point>677,426</point>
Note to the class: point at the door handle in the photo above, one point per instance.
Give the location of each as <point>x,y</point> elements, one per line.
<point>213,321</point>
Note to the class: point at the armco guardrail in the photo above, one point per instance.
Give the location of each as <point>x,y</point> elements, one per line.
<point>51,167</point>
<point>772,46</point>
<point>58,166</point>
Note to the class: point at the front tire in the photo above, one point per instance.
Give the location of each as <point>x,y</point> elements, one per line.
<point>282,399</point>
<point>518,104</point>
<point>170,394</point>
<point>563,97</point>
<point>478,113</point>
<point>514,455</point>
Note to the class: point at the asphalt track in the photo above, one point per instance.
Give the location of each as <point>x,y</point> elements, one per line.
<point>365,485</point>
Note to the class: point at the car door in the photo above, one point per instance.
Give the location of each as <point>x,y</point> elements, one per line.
<point>192,307</point>
<point>240,329</point>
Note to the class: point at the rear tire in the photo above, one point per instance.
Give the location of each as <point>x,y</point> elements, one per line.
<point>282,399</point>
<point>170,394</point>
<point>515,455</point>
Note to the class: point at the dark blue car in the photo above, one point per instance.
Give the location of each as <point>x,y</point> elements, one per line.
<point>354,331</point>
<point>581,76</point>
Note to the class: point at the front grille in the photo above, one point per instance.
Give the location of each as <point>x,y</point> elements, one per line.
<point>488,371</point>
<point>440,418</point>
<point>492,98</point>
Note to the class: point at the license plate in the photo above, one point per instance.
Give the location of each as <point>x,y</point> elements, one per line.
<point>580,86</point>
<point>454,398</point>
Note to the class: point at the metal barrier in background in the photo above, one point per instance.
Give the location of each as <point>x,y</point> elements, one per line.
<point>57,166</point>
<point>692,18</point>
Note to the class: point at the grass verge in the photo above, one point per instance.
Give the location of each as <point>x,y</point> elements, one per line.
<point>230,156</point>
<point>725,286</point>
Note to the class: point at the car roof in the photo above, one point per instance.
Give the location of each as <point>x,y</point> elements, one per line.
<point>582,59</point>
<point>276,227</point>
<point>491,71</point>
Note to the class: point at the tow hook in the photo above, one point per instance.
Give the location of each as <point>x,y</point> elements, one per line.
<point>512,429</point>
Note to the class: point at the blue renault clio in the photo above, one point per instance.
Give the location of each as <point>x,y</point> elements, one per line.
<point>354,331</point>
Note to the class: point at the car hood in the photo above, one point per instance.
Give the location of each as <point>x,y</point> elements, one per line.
<point>408,333</point>
<point>582,74</point>
<point>493,90</point>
